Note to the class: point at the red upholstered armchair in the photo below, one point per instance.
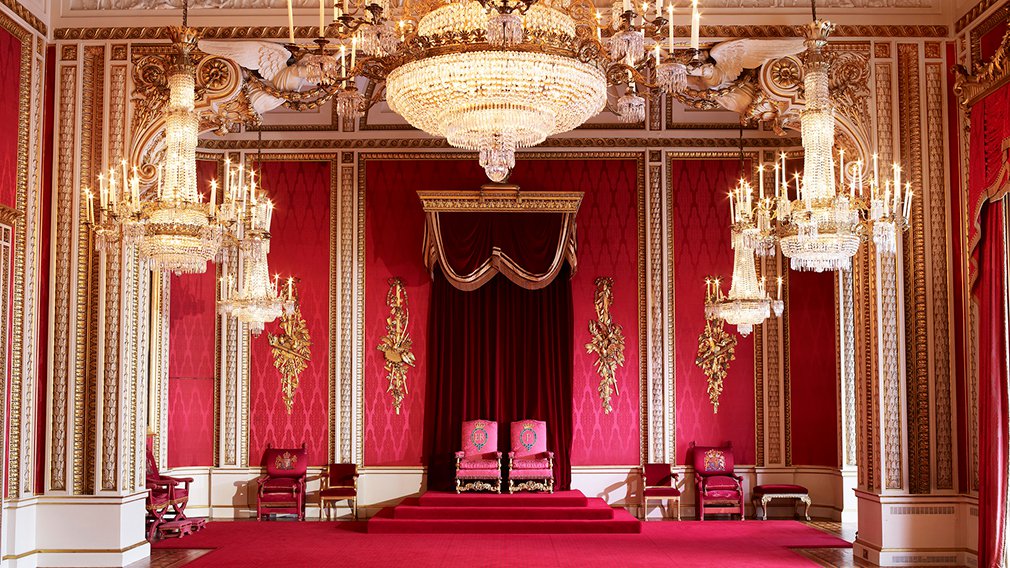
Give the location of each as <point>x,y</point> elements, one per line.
<point>660,485</point>
<point>531,465</point>
<point>340,481</point>
<point>478,466</point>
<point>282,489</point>
<point>717,488</point>
<point>166,495</point>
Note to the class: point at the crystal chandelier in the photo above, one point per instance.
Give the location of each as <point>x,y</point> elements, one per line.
<point>822,227</point>
<point>248,293</point>
<point>492,76</point>
<point>175,230</point>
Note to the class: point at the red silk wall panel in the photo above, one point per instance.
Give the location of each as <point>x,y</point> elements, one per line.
<point>191,369</point>
<point>607,246</point>
<point>191,359</point>
<point>701,243</point>
<point>300,247</point>
<point>10,81</point>
<point>813,368</point>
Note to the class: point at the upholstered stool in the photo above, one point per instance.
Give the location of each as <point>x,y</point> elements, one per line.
<point>770,492</point>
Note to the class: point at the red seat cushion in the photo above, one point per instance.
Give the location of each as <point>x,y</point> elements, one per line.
<point>662,492</point>
<point>720,482</point>
<point>723,495</point>
<point>280,484</point>
<point>338,492</point>
<point>780,488</point>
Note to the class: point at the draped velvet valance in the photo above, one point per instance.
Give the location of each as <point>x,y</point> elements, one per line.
<point>988,162</point>
<point>525,236</point>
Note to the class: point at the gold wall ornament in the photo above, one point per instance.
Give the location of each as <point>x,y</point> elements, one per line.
<point>716,348</point>
<point>291,352</point>
<point>607,342</point>
<point>396,343</point>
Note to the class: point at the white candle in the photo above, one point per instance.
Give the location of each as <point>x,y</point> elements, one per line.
<point>669,11</point>
<point>290,291</point>
<point>876,176</point>
<point>336,11</point>
<point>659,8</point>
<point>657,54</point>
<point>213,195</point>
<point>761,182</point>
<point>626,5</point>
<point>896,169</point>
<point>322,18</point>
<point>859,176</point>
<point>841,169</point>
<point>780,287</point>
<point>123,165</point>
<point>799,191</point>
<point>695,24</point>
<point>91,207</point>
<point>354,52</point>
<point>343,61</point>
<point>732,212</point>
<point>908,201</point>
<point>291,24</point>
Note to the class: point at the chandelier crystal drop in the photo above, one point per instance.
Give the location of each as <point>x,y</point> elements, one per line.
<point>631,107</point>
<point>747,304</point>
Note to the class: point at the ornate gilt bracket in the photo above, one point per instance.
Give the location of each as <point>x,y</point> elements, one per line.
<point>607,342</point>
<point>396,344</point>
<point>291,353</point>
<point>969,88</point>
<point>716,348</point>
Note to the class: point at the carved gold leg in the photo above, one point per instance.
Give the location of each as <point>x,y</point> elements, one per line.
<point>806,510</point>
<point>458,489</point>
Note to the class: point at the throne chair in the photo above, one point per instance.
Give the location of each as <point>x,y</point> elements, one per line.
<point>282,488</point>
<point>478,466</point>
<point>531,465</point>
<point>166,496</point>
<point>660,485</point>
<point>717,488</point>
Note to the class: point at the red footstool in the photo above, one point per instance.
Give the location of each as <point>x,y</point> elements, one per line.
<point>767,493</point>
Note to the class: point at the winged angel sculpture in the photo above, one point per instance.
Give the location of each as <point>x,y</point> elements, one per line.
<point>725,79</point>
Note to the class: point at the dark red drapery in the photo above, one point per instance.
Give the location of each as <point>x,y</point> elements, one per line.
<point>502,353</point>
<point>993,417</point>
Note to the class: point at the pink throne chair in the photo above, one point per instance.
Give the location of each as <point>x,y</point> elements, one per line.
<point>478,466</point>
<point>282,488</point>
<point>531,465</point>
<point>717,488</point>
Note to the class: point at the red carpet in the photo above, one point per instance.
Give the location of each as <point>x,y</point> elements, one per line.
<point>521,513</point>
<point>753,544</point>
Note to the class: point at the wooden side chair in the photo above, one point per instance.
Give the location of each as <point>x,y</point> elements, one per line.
<point>660,485</point>
<point>340,481</point>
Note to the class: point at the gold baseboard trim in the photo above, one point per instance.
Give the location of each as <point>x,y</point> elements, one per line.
<point>75,551</point>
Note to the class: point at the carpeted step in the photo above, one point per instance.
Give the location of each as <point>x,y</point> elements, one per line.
<point>596,509</point>
<point>557,499</point>
<point>622,522</point>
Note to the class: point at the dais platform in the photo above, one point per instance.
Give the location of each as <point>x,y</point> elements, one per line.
<point>563,512</point>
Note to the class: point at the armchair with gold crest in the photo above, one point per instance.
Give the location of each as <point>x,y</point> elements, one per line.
<point>717,488</point>
<point>282,488</point>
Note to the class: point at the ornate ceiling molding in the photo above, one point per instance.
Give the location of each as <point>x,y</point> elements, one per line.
<point>971,15</point>
<point>500,198</point>
<point>279,32</point>
<point>969,88</point>
<point>432,143</point>
<point>26,15</point>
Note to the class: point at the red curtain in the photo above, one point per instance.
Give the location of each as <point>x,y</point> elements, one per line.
<point>502,353</point>
<point>993,396</point>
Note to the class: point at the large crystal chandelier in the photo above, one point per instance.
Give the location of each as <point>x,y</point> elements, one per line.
<point>174,230</point>
<point>492,76</point>
<point>246,292</point>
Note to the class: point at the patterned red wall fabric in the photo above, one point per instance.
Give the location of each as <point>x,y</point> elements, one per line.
<point>300,247</point>
<point>191,374</point>
<point>701,242</point>
<point>812,366</point>
<point>607,241</point>
<point>10,81</point>
<point>191,370</point>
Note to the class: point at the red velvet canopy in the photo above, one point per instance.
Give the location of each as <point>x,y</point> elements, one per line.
<point>472,236</point>
<point>988,163</point>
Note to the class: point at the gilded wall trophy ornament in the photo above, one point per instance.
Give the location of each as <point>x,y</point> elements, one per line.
<point>396,344</point>
<point>716,348</point>
<point>607,342</point>
<point>291,352</point>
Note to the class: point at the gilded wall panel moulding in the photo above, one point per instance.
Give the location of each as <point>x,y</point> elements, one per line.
<point>972,86</point>
<point>716,348</point>
<point>913,277</point>
<point>6,257</point>
<point>26,16</point>
<point>670,378</point>
<point>786,375</point>
<point>510,199</point>
<point>658,404</point>
<point>601,143</point>
<point>847,366</point>
<point>110,373</point>
<point>607,342</point>
<point>359,314</point>
<point>891,407</point>
<point>396,344</point>
<point>64,222</point>
<point>281,32</point>
<point>346,331</point>
<point>939,276</point>
<point>292,353</point>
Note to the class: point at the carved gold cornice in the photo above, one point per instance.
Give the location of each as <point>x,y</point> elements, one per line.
<point>970,16</point>
<point>278,32</point>
<point>970,88</point>
<point>501,198</point>
<point>9,216</point>
<point>26,15</point>
<point>437,143</point>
